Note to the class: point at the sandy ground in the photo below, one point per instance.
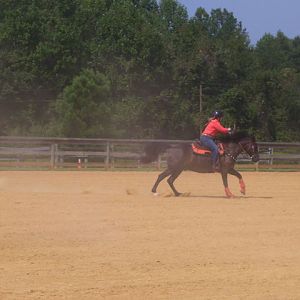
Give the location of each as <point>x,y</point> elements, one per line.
<point>102,235</point>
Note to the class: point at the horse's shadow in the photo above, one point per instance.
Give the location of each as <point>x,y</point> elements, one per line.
<point>188,195</point>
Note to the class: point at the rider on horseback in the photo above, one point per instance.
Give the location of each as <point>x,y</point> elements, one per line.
<point>211,129</point>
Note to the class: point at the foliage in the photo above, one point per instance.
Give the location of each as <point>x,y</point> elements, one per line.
<point>84,108</point>
<point>133,69</point>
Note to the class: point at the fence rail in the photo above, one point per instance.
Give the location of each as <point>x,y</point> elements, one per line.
<point>53,153</point>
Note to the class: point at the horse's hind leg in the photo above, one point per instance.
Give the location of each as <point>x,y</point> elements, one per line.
<point>241,181</point>
<point>171,180</point>
<point>160,177</point>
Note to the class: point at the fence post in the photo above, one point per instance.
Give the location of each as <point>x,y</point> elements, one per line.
<point>53,158</point>
<point>271,149</point>
<point>56,156</point>
<point>159,162</point>
<point>107,159</point>
<point>112,158</point>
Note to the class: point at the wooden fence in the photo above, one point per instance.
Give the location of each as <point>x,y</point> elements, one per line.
<point>57,153</point>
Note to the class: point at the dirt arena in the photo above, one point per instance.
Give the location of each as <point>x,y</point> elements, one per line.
<point>102,235</point>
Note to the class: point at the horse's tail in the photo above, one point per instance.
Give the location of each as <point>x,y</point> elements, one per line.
<point>152,151</point>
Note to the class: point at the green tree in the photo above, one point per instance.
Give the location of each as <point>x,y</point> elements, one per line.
<point>84,109</point>
<point>110,66</point>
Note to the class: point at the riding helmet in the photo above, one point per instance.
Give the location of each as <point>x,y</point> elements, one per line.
<point>217,114</point>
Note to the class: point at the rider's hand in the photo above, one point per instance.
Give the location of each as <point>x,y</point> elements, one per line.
<point>229,130</point>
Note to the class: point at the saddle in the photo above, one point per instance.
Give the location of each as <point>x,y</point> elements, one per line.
<point>199,149</point>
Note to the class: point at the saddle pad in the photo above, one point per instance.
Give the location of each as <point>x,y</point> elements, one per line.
<point>200,151</point>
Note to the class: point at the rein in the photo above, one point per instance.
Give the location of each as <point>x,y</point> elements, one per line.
<point>235,157</point>
<point>231,156</point>
<point>243,148</point>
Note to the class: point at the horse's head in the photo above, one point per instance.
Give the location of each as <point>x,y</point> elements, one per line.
<point>249,145</point>
<point>242,141</point>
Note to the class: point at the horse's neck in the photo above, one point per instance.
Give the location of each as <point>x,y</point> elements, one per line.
<point>233,148</point>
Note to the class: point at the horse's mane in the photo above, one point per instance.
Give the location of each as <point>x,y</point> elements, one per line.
<point>235,137</point>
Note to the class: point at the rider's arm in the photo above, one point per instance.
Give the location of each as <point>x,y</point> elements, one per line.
<point>220,128</point>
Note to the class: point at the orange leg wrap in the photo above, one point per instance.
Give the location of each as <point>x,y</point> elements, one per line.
<point>242,186</point>
<point>228,193</point>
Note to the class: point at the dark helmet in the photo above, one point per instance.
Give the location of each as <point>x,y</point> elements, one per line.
<point>217,114</point>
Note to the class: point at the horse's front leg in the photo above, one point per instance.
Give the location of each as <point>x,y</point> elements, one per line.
<point>228,193</point>
<point>241,181</point>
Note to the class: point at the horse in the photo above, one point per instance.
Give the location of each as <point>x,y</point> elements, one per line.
<point>181,157</point>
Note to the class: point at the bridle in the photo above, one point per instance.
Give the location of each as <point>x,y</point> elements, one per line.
<point>243,149</point>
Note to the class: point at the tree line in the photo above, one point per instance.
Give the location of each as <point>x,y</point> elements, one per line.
<point>139,69</point>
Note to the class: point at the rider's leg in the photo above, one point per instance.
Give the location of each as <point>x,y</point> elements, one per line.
<point>214,155</point>
<point>209,143</point>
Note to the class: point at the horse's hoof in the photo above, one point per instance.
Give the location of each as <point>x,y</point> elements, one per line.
<point>243,192</point>
<point>228,193</point>
<point>178,194</point>
<point>155,194</point>
<point>230,196</point>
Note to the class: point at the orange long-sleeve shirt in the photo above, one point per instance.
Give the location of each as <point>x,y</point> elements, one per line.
<point>214,127</point>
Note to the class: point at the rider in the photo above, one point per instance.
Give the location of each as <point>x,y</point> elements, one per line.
<point>211,129</point>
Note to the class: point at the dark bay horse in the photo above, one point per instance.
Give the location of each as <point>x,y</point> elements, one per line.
<point>180,157</point>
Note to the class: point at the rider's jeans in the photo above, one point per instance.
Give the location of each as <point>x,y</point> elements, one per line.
<point>209,143</point>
